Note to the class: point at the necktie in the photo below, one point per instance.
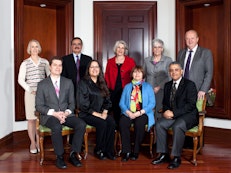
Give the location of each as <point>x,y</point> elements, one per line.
<point>186,70</point>
<point>77,68</point>
<point>57,88</point>
<point>172,94</point>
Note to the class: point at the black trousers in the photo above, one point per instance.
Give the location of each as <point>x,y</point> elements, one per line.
<point>115,98</point>
<point>139,132</point>
<point>77,124</point>
<point>105,132</point>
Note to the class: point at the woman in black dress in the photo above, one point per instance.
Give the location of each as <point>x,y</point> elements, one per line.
<point>93,103</point>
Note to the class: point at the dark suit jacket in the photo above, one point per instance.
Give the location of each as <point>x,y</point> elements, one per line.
<point>69,67</point>
<point>46,97</point>
<point>201,71</point>
<point>185,102</point>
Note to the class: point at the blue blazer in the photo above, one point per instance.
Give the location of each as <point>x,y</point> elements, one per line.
<point>148,101</point>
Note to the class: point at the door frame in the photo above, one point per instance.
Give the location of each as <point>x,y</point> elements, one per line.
<point>65,33</point>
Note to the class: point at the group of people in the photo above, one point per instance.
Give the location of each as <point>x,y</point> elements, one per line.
<point>126,94</point>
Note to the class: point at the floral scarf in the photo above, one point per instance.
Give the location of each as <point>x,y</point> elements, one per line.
<point>136,98</point>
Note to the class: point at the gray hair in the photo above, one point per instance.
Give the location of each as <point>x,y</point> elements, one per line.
<point>29,46</point>
<point>123,43</point>
<point>157,40</point>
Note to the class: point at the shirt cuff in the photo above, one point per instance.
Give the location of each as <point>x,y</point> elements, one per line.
<point>68,110</point>
<point>50,112</point>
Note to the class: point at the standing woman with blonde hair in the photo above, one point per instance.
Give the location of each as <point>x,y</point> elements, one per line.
<point>32,70</point>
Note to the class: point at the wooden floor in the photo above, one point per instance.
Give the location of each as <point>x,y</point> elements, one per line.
<point>216,158</point>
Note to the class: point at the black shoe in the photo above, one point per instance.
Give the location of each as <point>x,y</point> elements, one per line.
<point>60,162</point>
<point>110,156</point>
<point>163,157</point>
<point>134,156</point>
<point>100,155</point>
<point>125,157</point>
<point>74,160</point>
<point>175,163</point>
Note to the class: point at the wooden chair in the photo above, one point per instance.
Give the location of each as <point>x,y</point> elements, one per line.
<point>150,144</point>
<point>197,132</point>
<point>44,131</point>
<point>89,129</point>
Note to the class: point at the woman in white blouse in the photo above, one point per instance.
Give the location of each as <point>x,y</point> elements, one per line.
<point>32,71</point>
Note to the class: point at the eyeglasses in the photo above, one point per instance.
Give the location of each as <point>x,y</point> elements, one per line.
<point>157,47</point>
<point>94,67</point>
<point>76,44</point>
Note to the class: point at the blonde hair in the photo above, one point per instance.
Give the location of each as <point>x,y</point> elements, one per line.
<point>29,46</point>
<point>117,45</point>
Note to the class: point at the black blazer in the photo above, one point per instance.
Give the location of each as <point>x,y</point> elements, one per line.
<point>185,101</point>
<point>69,67</point>
<point>89,98</point>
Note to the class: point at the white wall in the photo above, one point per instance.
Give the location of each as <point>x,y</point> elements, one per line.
<point>83,17</point>
<point>6,68</point>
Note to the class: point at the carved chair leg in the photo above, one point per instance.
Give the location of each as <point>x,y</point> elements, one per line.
<point>151,143</point>
<point>86,145</point>
<point>201,143</point>
<point>41,139</point>
<point>195,144</point>
<point>119,143</point>
<point>116,141</point>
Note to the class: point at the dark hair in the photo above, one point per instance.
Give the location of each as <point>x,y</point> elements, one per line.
<point>101,83</point>
<point>138,68</point>
<point>175,63</point>
<point>55,58</point>
<point>77,38</point>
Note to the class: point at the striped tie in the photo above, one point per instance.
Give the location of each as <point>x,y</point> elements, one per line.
<point>77,68</point>
<point>57,88</point>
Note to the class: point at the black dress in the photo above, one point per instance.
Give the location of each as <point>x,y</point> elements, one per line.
<point>115,97</point>
<point>89,100</point>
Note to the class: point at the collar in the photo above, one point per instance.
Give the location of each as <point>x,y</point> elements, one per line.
<point>55,79</point>
<point>194,49</point>
<point>74,55</point>
<point>177,82</point>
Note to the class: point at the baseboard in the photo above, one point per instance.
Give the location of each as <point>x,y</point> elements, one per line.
<point>13,137</point>
<point>6,140</point>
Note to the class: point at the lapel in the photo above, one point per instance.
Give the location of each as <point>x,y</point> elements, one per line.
<point>61,89</point>
<point>196,57</point>
<point>182,58</point>
<point>52,89</point>
<point>169,88</point>
<point>81,60</point>
<point>73,64</point>
<point>180,87</point>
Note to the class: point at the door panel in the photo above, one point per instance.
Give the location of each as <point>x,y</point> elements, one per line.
<point>133,22</point>
<point>40,24</point>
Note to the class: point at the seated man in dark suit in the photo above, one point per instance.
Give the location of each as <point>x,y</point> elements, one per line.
<point>56,102</point>
<point>179,112</point>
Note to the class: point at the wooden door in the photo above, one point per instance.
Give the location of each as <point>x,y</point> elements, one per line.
<point>212,21</point>
<point>133,22</point>
<point>52,26</point>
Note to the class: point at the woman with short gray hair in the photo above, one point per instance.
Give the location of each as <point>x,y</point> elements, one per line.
<point>156,69</point>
